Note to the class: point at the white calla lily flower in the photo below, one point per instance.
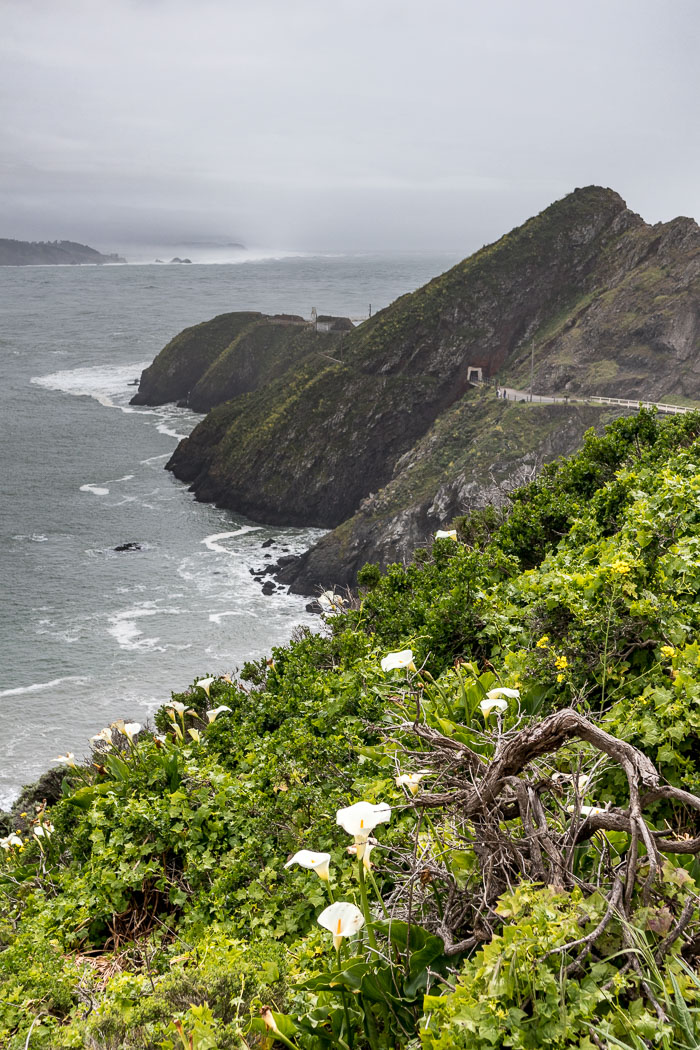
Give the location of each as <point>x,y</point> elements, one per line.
<point>446,534</point>
<point>104,735</point>
<point>492,703</point>
<point>131,729</point>
<point>67,760</point>
<point>586,811</point>
<point>176,705</point>
<point>398,661</point>
<point>214,712</point>
<point>361,819</point>
<point>502,690</point>
<point>331,602</point>
<point>318,862</point>
<point>411,781</point>
<point>342,919</point>
<point>43,830</point>
<point>10,841</point>
<point>205,684</point>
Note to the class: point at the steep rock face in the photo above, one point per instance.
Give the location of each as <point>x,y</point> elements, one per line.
<point>473,456</point>
<point>186,358</point>
<point>636,336</point>
<point>308,450</point>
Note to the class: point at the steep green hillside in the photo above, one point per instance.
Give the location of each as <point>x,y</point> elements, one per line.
<point>260,354</point>
<point>522,872</point>
<point>186,358</point>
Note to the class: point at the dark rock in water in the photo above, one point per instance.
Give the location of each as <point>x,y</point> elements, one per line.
<point>312,607</point>
<point>178,260</point>
<point>267,555</point>
<point>268,543</point>
<point>286,559</point>
<point>268,587</point>
<point>129,547</point>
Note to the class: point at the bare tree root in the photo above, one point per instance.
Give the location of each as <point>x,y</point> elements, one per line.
<point>506,811</point>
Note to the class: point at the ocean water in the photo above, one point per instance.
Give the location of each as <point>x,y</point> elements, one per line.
<point>89,634</point>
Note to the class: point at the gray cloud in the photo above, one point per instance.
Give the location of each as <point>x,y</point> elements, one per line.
<point>382,124</point>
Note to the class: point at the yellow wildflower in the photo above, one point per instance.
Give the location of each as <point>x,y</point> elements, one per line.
<point>560,678</point>
<point>667,651</point>
<point>542,644</point>
<point>561,662</point>
<point>620,567</point>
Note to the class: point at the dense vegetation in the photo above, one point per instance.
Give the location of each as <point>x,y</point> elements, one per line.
<point>535,734</point>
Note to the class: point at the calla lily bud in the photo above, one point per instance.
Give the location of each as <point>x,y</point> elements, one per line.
<point>268,1019</point>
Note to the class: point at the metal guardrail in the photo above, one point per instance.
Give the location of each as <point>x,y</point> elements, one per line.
<point>676,410</point>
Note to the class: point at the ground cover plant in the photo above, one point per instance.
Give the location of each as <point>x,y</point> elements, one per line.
<point>463,814</point>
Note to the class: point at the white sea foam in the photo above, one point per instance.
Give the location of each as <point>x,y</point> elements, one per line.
<point>218,617</point>
<point>101,382</point>
<point>163,428</point>
<point>97,490</point>
<point>154,459</point>
<point>126,633</point>
<point>38,687</point>
<point>212,542</point>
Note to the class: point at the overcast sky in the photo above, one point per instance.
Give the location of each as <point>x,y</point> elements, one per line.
<point>339,124</point>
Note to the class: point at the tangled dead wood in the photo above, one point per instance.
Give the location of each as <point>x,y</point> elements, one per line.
<point>508,811</point>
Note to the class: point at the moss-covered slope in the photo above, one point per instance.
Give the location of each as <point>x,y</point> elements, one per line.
<point>262,352</point>
<point>186,358</point>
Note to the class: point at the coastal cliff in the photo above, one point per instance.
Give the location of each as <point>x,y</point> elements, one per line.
<point>52,253</point>
<point>379,434</point>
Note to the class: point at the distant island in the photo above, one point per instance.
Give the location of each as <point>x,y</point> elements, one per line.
<point>52,253</point>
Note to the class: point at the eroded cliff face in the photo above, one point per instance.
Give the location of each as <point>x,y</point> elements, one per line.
<point>472,457</point>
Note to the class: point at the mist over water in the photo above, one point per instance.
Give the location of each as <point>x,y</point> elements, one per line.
<point>87,633</point>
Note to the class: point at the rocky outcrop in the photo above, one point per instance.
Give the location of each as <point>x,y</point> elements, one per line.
<point>473,456</point>
<point>52,253</point>
<point>377,436</point>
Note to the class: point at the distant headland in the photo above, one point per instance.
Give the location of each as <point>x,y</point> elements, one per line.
<point>52,253</point>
